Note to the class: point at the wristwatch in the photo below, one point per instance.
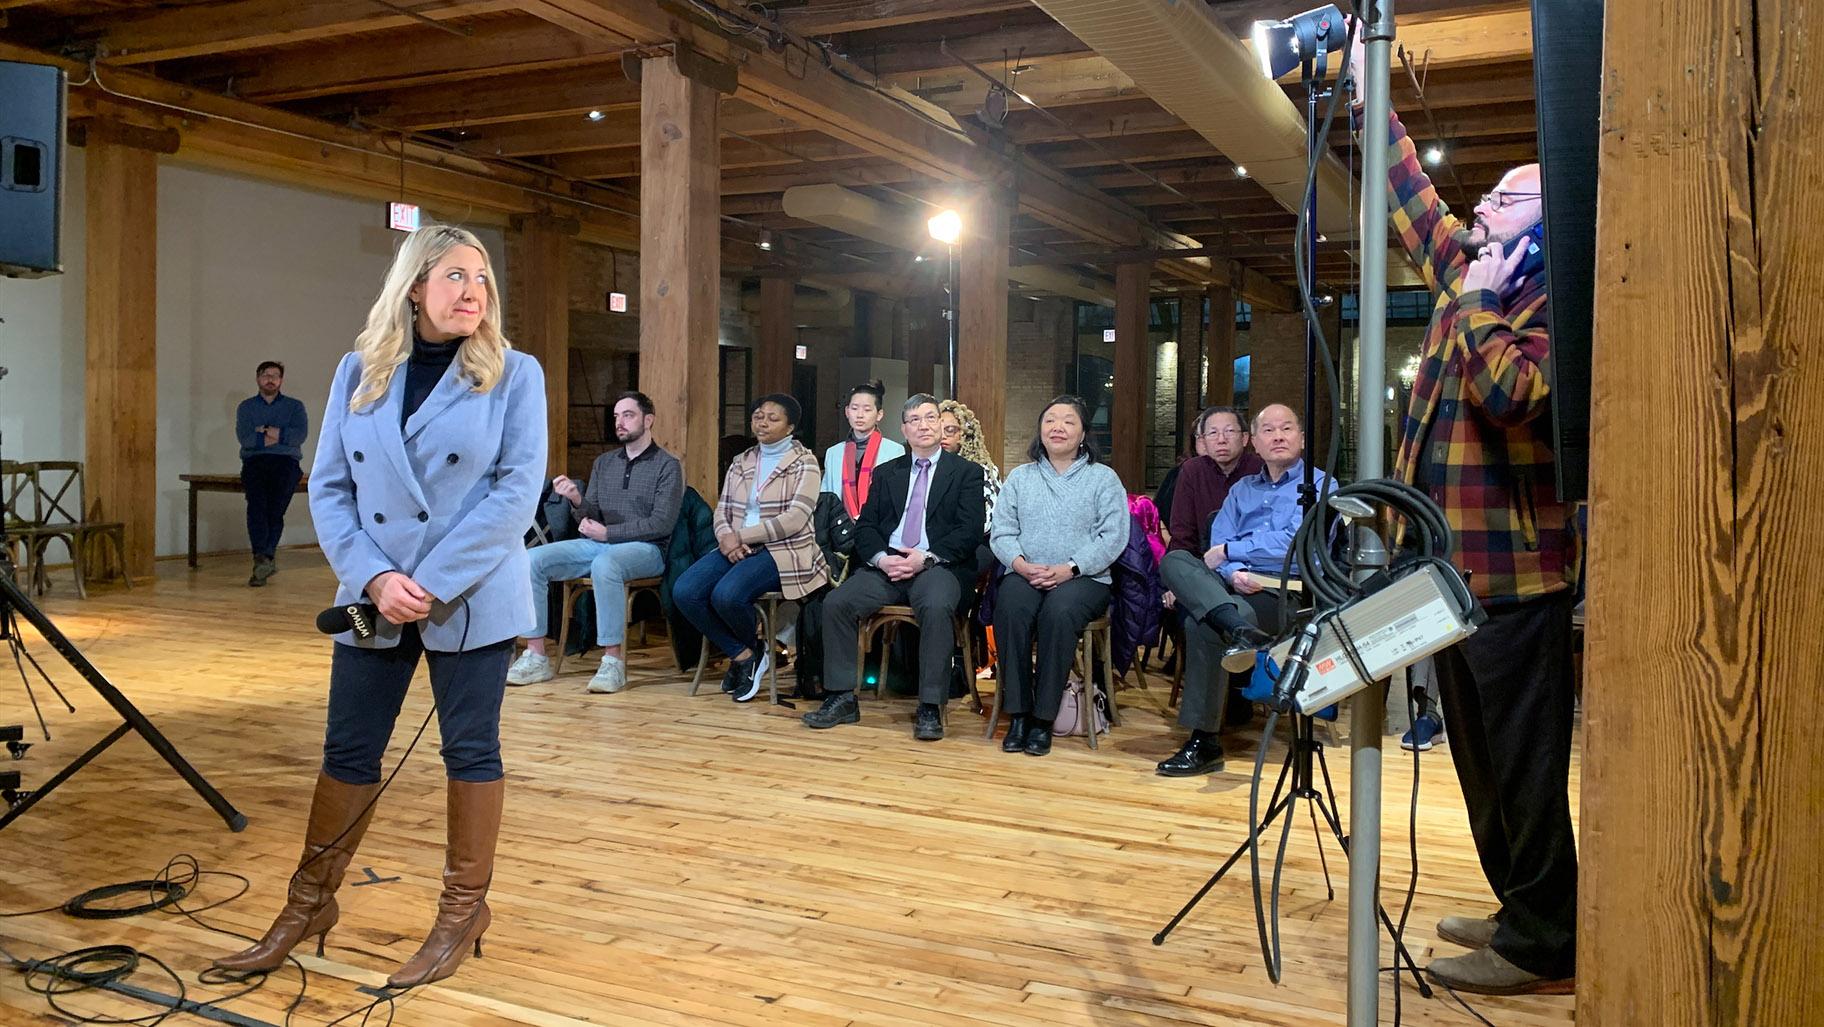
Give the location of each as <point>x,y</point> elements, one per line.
<point>1075,571</point>
<point>930,561</point>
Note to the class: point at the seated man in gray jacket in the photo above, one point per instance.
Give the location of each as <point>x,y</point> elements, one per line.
<point>628,511</point>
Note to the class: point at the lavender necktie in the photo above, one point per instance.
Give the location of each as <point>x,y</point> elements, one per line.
<point>915,505</point>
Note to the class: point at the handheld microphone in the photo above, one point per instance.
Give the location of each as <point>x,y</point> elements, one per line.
<point>359,618</point>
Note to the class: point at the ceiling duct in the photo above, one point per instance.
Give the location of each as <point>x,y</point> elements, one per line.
<point>1190,64</point>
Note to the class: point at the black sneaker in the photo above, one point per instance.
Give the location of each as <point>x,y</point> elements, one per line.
<point>747,683</point>
<point>930,727</point>
<point>837,708</point>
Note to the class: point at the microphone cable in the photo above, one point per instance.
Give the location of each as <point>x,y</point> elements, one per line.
<point>98,967</point>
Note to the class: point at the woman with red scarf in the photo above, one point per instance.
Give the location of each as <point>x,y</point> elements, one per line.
<point>848,466</point>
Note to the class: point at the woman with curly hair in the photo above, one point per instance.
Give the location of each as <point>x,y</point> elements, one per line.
<point>961,434</point>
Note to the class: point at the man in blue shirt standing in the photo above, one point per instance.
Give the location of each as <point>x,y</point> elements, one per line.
<point>1232,589</point>
<point>271,429</point>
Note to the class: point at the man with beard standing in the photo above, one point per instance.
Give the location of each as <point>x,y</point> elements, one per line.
<point>1478,439</point>
<point>271,428</point>
<point>628,511</point>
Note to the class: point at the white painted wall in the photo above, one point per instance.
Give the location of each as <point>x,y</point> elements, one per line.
<point>247,271</point>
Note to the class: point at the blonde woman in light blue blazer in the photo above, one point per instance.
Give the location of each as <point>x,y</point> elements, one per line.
<point>426,478</point>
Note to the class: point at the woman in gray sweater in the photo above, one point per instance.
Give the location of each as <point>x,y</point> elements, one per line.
<point>1059,525</point>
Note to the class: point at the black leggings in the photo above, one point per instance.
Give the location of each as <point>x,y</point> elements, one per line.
<point>367,687</point>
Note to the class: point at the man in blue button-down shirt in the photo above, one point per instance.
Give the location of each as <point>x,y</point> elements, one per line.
<point>271,429</point>
<point>1225,594</point>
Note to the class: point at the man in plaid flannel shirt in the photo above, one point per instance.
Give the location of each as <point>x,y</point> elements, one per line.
<point>1477,438</point>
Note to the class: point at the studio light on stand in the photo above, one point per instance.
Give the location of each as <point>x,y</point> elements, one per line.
<point>946,226</point>
<point>1306,42</point>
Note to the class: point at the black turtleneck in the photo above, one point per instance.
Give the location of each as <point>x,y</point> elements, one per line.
<point>424,370</point>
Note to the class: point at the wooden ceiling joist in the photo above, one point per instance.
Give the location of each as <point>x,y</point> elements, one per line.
<point>198,30</point>
<point>224,132</point>
<point>406,57</point>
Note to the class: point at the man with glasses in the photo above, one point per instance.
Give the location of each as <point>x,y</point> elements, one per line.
<point>1478,438</point>
<point>915,544</point>
<point>1223,459</point>
<point>1227,590</point>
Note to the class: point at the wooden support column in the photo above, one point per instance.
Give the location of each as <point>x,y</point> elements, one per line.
<point>542,286</point>
<point>1219,348</point>
<point>121,361</point>
<point>1128,421</point>
<point>680,265</point>
<point>778,337</point>
<point>1190,367</point>
<point>981,360</point>
<point>1702,889</point>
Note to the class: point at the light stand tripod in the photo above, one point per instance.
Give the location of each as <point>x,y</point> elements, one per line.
<point>13,601</point>
<point>1305,757</point>
<point>1304,761</point>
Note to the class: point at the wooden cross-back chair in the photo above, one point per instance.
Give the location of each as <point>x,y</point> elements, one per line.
<point>46,501</point>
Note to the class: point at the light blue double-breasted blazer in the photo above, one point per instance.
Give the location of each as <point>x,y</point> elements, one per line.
<point>447,499</point>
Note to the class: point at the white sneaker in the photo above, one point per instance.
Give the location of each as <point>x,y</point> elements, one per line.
<point>610,677</point>
<point>530,669</point>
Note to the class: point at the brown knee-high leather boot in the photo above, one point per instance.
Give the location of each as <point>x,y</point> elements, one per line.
<point>339,815</point>
<point>462,911</point>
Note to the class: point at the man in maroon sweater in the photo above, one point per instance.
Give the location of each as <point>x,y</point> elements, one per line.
<point>1203,484</point>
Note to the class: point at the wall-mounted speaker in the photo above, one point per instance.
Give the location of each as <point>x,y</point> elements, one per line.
<point>31,168</point>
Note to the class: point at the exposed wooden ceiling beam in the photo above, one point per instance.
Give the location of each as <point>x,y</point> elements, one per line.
<point>770,151</point>
<point>1017,39</point>
<point>829,97</point>
<point>495,100</point>
<point>407,57</point>
<point>198,30</point>
<point>224,132</point>
<point>832,16</point>
<point>619,128</point>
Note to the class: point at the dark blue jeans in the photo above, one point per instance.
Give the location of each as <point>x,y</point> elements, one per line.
<point>367,687</point>
<point>718,597</point>
<point>269,482</point>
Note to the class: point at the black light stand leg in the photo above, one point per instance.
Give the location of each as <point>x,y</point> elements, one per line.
<point>1304,761</point>
<point>31,799</point>
<point>1275,807</point>
<point>11,596</point>
<point>9,630</point>
<point>1322,860</point>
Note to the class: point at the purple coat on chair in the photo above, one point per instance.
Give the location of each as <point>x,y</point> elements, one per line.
<point>1136,609</point>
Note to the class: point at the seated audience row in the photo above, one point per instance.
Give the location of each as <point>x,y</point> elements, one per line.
<point>928,527</point>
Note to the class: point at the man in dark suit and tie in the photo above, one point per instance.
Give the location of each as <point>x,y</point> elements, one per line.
<point>915,545</point>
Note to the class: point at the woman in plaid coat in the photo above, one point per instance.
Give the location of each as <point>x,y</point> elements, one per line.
<point>765,542</point>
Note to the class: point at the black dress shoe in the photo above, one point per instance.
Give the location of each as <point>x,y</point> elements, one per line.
<point>1200,755</point>
<point>1038,738</point>
<point>837,708</point>
<point>930,727</point>
<point>1016,734</point>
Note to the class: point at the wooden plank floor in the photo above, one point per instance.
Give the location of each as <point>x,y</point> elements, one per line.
<point>670,860</point>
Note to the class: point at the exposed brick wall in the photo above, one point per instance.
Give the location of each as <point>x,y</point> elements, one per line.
<point>1276,343</point>
<point>1161,449</point>
<point>1040,340</point>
